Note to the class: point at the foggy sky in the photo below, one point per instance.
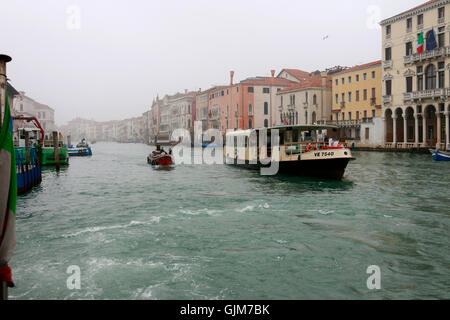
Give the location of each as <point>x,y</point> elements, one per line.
<point>127,52</point>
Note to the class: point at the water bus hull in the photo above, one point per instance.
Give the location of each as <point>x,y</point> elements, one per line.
<point>333,169</point>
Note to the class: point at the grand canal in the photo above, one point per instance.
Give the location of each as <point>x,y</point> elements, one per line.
<point>218,232</point>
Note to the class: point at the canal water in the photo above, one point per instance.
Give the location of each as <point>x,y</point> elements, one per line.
<point>219,232</point>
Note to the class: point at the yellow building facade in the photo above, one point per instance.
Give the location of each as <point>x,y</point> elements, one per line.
<point>356,96</point>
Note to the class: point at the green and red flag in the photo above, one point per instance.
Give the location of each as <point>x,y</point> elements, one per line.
<point>420,43</point>
<point>8,195</point>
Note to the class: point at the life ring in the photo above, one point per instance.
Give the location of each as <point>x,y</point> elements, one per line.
<point>309,147</point>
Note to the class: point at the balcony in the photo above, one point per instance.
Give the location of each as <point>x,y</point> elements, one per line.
<point>387,99</point>
<point>291,107</point>
<point>387,64</point>
<point>373,101</point>
<point>441,20</point>
<point>433,54</point>
<point>342,104</point>
<point>427,94</point>
<point>250,113</point>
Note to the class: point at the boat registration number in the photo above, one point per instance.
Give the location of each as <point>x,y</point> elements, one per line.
<point>324,154</point>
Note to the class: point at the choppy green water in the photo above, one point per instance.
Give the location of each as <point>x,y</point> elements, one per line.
<point>218,232</point>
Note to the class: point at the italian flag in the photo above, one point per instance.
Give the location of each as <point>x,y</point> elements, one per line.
<point>420,43</point>
<point>8,195</point>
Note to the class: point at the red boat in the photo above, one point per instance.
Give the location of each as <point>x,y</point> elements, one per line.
<point>160,158</point>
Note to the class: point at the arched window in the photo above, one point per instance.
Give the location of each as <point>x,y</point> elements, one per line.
<point>314,99</point>
<point>296,117</point>
<point>430,74</point>
<point>266,108</point>
<point>250,109</point>
<point>266,123</point>
<point>250,124</point>
<point>313,117</point>
<point>306,117</point>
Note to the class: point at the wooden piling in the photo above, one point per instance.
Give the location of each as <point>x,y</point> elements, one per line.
<point>69,140</point>
<point>3,291</point>
<point>27,145</point>
<point>55,147</point>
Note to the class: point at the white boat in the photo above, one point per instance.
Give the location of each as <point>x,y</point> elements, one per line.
<point>298,153</point>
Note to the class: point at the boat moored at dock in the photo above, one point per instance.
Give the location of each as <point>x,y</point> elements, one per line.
<point>440,155</point>
<point>298,153</point>
<point>81,150</point>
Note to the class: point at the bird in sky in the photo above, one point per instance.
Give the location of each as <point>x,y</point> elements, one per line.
<point>326,37</point>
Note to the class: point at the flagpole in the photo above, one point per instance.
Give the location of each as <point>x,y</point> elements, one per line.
<point>3,60</point>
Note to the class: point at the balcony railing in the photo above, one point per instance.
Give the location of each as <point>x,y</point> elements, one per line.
<point>387,64</point>
<point>342,104</point>
<point>373,101</point>
<point>441,20</point>
<point>427,94</point>
<point>387,99</point>
<point>436,53</point>
<point>250,113</point>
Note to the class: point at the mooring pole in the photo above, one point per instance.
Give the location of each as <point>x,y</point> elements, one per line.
<point>55,147</point>
<point>4,59</point>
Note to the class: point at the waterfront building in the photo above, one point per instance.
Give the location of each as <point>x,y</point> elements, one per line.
<point>356,104</point>
<point>416,83</point>
<point>294,75</point>
<point>202,107</point>
<point>25,105</point>
<point>305,102</point>
<point>247,104</point>
<point>154,119</point>
<point>182,111</point>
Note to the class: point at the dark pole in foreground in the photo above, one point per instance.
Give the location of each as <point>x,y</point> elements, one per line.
<point>55,147</point>
<point>3,60</point>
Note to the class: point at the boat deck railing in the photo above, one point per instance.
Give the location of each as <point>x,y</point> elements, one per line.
<point>301,147</point>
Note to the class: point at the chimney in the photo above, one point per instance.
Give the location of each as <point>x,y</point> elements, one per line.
<point>231,77</point>
<point>273,73</point>
<point>324,78</point>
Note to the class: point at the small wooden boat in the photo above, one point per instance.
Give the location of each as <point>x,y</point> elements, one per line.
<point>160,158</point>
<point>441,155</point>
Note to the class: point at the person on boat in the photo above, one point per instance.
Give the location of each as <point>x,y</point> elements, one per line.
<point>330,142</point>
